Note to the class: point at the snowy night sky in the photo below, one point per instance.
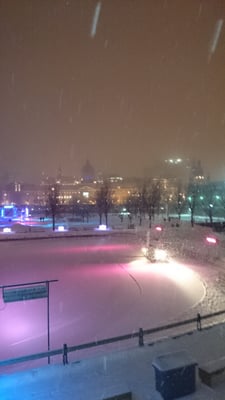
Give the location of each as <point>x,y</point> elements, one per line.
<point>122,83</point>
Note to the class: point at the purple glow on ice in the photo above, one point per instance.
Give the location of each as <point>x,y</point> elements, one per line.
<point>91,248</point>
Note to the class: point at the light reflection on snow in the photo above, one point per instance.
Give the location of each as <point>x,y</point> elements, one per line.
<point>91,248</point>
<point>24,321</point>
<point>172,270</point>
<point>16,327</point>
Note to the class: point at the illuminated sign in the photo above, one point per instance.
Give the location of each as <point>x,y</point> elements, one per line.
<point>211,240</point>
<point>102,227</point>
<point>25,293</point>
<point>7,230</point>
<point>61,228</point>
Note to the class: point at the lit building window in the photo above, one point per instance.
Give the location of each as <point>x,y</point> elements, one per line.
<point>17,187</point>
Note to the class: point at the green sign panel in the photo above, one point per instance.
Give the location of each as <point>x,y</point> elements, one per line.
<point>24,293</point>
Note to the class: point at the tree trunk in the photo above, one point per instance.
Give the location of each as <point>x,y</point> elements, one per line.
<point>211,217</point>
<point>100,219</point>
<point>192,218</point>
<point>53,222</point>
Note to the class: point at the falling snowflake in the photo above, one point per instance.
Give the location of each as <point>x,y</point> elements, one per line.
<point>95,19</point>
<point>215,38</point>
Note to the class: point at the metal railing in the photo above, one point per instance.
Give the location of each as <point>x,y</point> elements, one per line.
<point>139,334</point>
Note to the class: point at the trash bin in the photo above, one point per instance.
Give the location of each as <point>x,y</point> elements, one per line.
<point>175,374</point>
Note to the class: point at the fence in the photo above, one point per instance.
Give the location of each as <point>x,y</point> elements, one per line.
<point>139,334</point>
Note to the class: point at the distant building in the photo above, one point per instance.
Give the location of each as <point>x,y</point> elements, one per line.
<point>173,175</point>
<point>177,169</point>
<point>196,172</point>
<point>19,193</point>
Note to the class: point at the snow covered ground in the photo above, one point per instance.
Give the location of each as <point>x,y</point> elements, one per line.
<point>128,370</point>
<point>118,372</point>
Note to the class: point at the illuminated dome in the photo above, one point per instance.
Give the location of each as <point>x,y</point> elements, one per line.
<point>88,172</point>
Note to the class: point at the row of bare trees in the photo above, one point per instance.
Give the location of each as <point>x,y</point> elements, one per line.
<point>197,198</point>
<point>103,202</point>
<point>145,201</point>
<point>150,198</point>
<point>207,199</point>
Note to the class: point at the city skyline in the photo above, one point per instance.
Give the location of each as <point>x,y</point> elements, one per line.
<point>177,168</point>
<point>123,84</point>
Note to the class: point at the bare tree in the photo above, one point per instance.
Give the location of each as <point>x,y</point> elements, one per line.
<point>180,199</point>
<point>153,198</point>
<point>142,202</point>
<point>192,199</point>
<point>104,201</point>
<point>208,199</point>
<point>132,205</point>
<point>221,198</point>
<point>53,202</point>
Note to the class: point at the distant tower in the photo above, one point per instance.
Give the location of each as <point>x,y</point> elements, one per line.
<point>59,175</point>
<point>87,173</point>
